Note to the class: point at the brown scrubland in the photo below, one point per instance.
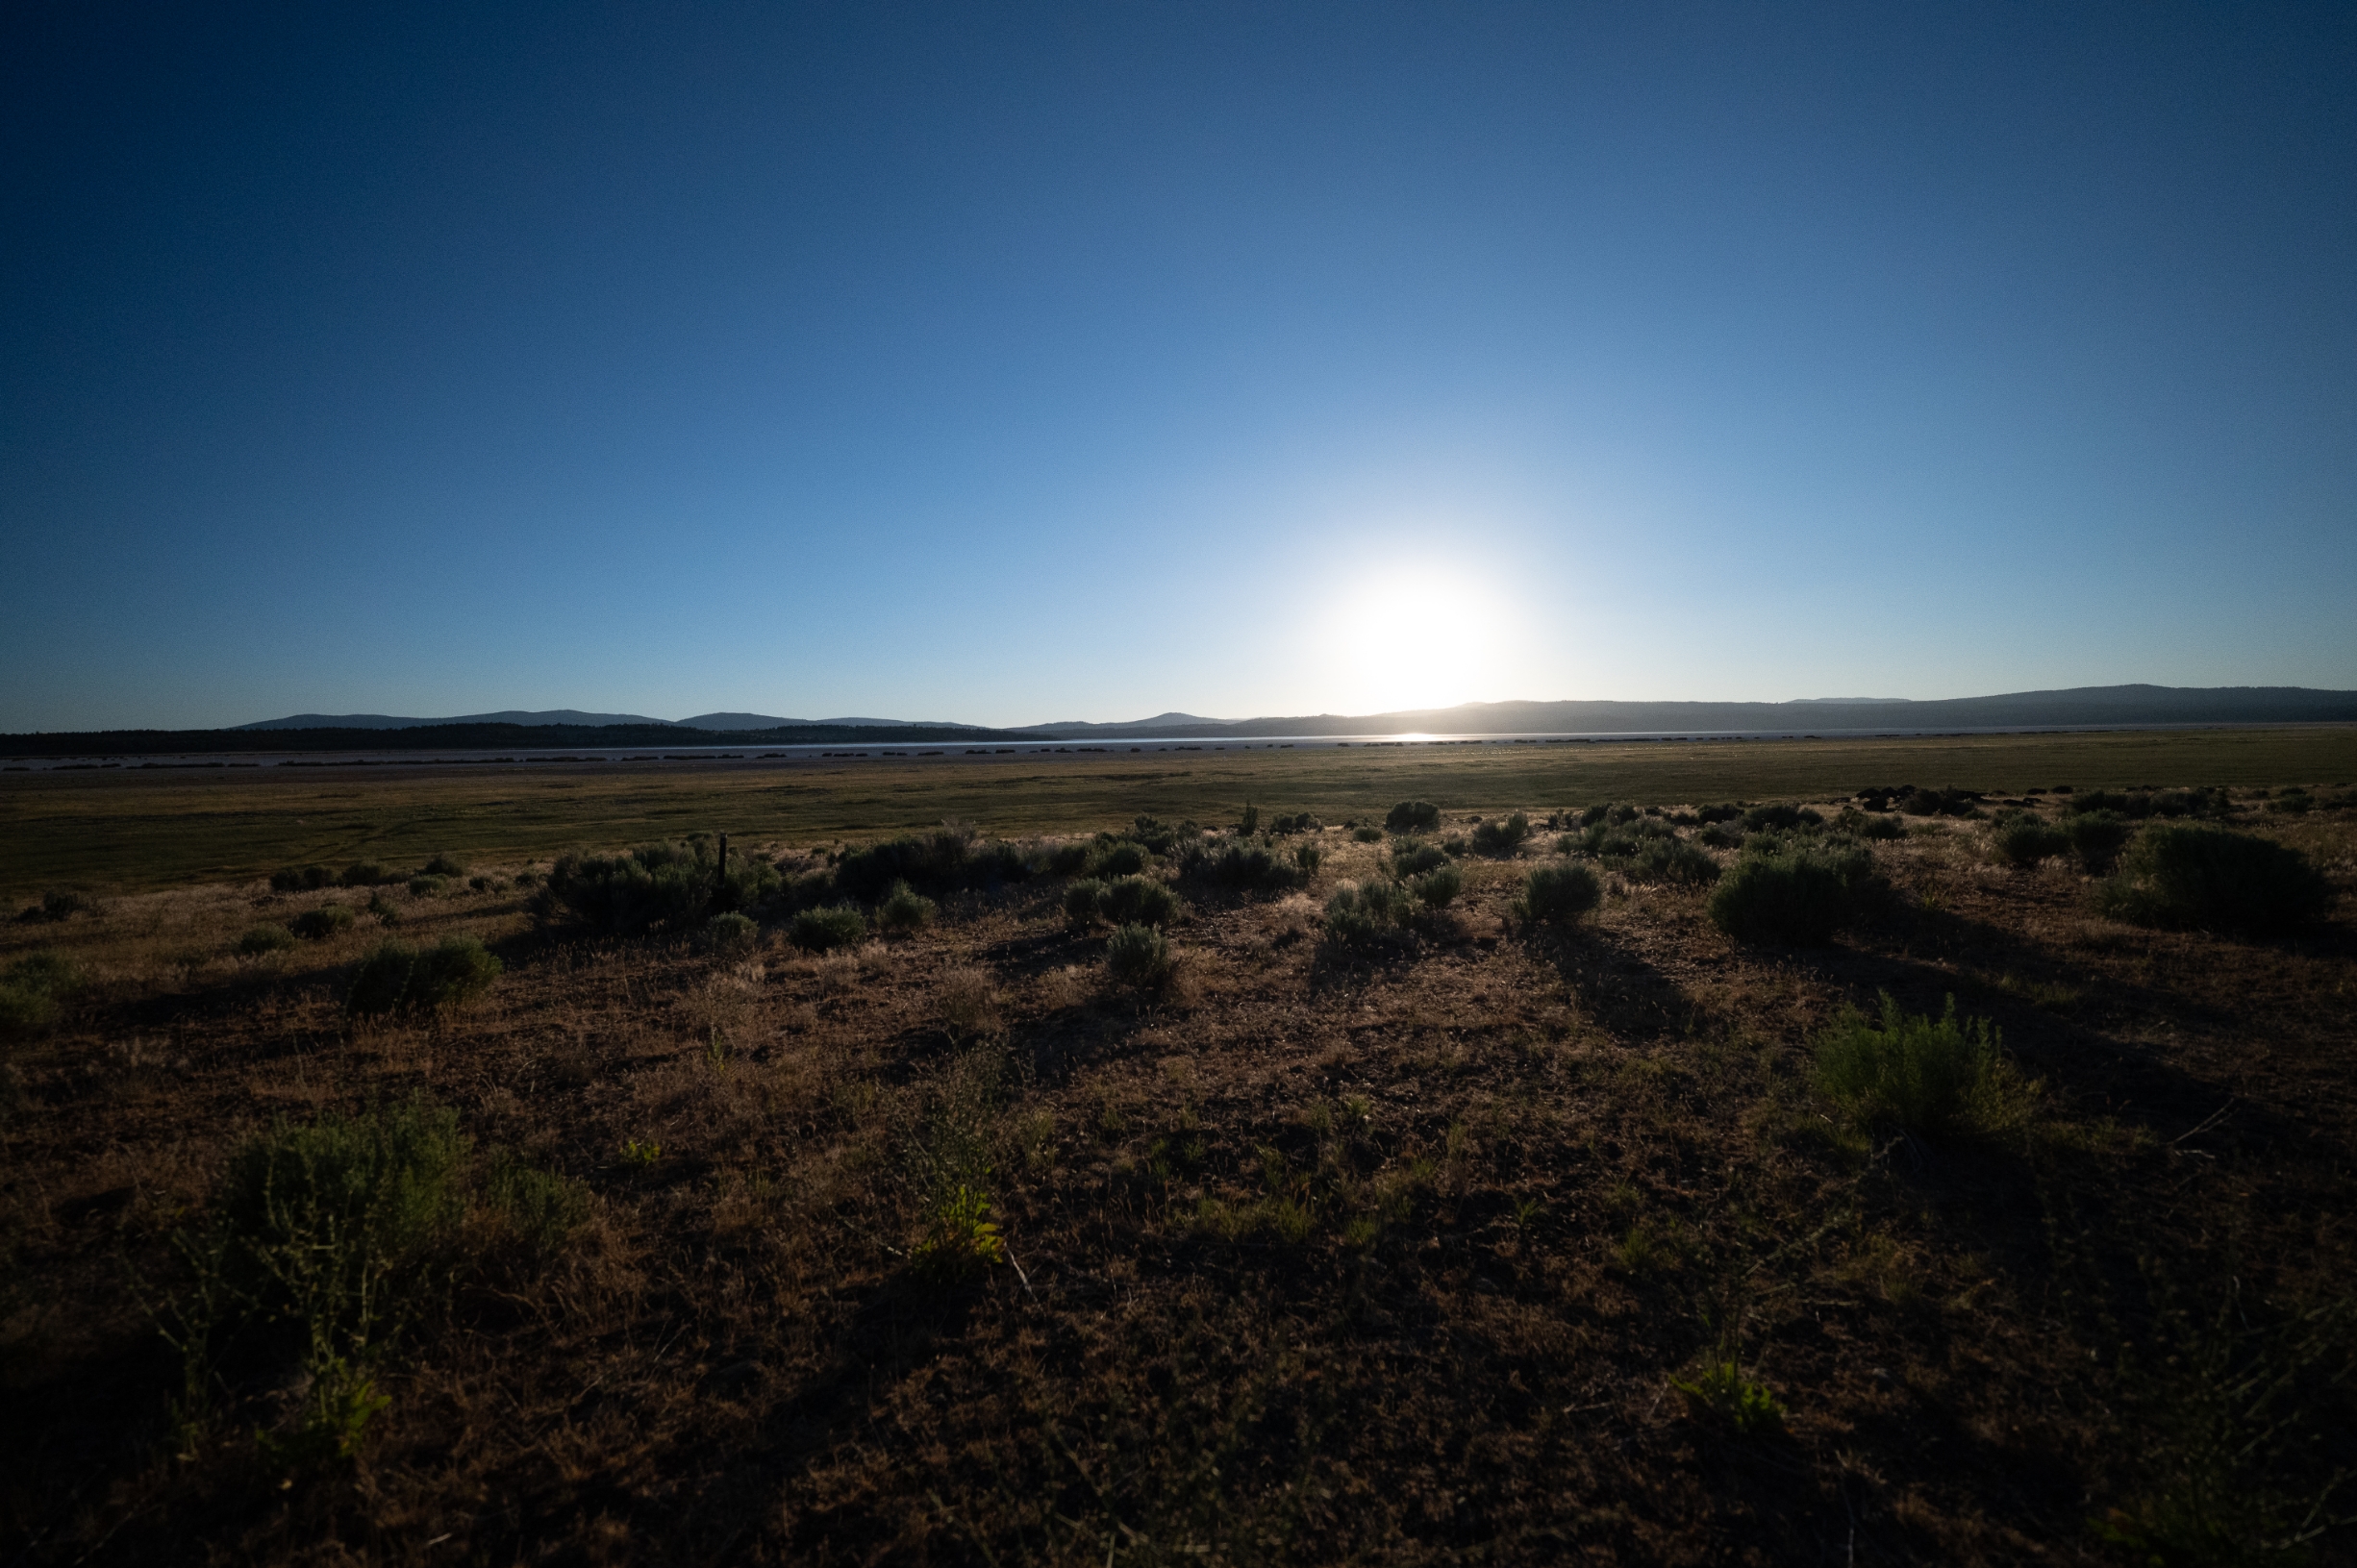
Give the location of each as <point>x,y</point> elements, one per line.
<point>1474,1235</point>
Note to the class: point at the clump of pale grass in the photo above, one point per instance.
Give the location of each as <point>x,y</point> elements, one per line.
<point>966,1002</point>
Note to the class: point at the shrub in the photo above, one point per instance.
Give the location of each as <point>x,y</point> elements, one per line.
<point>1307,858</point>
<point>1725,813</point>
<point>729,934</point>
<point>1298,822</point>
<point>2292,802</point>
<point>1139,901</point>
<point>1156,835</point>
<point>1557,895</point>
<point>364,874</point>
<point>1251,822</point>
<point>442,865</point>
<point>481,884</point>
<point>1716,836</point>
<point>1939,803</point>
<point>328,919</point>
<point>383,910</point>
<point>949,860</point>
<point>1933,1078</point>
<point>1780,816</point>
<point>1365,915</point>
<point>1799,894</point>
<point>1120,858</point>
<point>1870,824</point>
<point>1672,860</point>
<point>822,930</point>
<point>2097,838</point>
<point>1138,956</point>
<point>1412,857</point>
<point>2214,879</point>
<point>318,1236</point>
<point>670,885</point>
<point>428,887</point>
<point>1082,901</point>
<point>904,910</point>
<point>265,938</point>
<point>1501,838</point>
<point>1412,816</point>
<point>1067,859</point>
<point>30,991</point>
<point>2023,839</point>
<point>301,879</point>
<point>1250,866</point>
<point>1747,1406</point>
<point>397,978</point>
<point>1369,834</point>
<point>1437,889</point>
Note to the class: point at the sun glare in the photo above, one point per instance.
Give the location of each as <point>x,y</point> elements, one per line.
<point>1410,639</point>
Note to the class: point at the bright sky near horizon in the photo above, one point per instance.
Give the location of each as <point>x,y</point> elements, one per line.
<point>1027,363</point>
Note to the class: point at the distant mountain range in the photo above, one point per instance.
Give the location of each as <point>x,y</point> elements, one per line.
<point>2077,705</point>
<point>574,718</point>
<point>2078,708</point>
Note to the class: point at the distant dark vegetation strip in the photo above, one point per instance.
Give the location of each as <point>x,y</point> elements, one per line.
<point>450,736</point>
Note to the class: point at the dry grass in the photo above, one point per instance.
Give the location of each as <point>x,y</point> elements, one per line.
<point>1311,1257</point>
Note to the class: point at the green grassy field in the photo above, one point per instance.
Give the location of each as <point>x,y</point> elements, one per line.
<point>130,829</point>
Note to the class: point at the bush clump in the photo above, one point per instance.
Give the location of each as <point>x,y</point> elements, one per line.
<point>1780,817</point>
<point>1124,901</point>
<point>541,1209</point>
<point>668,885</point>
<point>2214,879</point>
<point>398,978</point>
<point>1672,860</point>
<point>1438,887</point>
<point>949,860</point>
<point>1935,1078</point>
<point>1119,858</point>
<point>325,921</point>
<point>32,990</point>
<point>364,873</point>
<point>1248,865</point>
<point>1138,956</point>
<point>301,879</point>
<point>1363,915</point>
<point>824,929</point>
<point>2097,838</point>
<point>1792,892</point>
<point>429,886</point>
<point>1412,857</point>
<point>1412,816</point>
<point>443,864</point>
<point>2021,839</point>
<point>265,938</point>
<point>1502,837</point>
<point>904,910</point>
<point>729,934</point>
<point>1557,895</point>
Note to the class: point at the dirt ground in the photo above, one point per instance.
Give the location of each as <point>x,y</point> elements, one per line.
<point>1428,1257</point>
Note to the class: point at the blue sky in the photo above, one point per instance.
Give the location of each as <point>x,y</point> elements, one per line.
<point>1014,364</point>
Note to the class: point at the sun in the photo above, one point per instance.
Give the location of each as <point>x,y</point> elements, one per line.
<point>1411,637</point>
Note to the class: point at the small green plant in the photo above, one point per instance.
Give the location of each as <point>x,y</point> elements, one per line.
<point>325,921</point>
<point>904,910</point>
<point>263,940</point>
<point>1722,1391</point>
<point>2214,879</point>
<point>1934,1077</point>
<point>960,1240</point>
<point>641,1154</point>
<point>541,1209</point>
<point>1557,895</point>
<point>822,930</point>
<point>397,978</point>
<point>1138,956</point>
<point>32,991</point>
<point>1412,816</point>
